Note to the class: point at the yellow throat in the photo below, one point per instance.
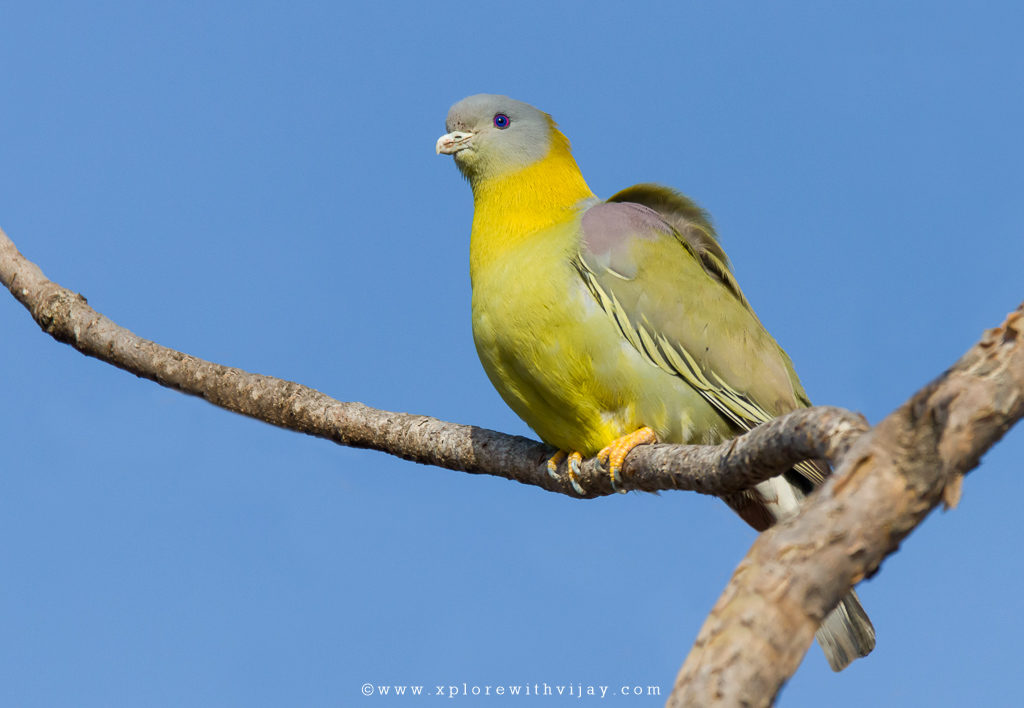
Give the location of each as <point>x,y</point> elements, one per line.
<point>510,207</point>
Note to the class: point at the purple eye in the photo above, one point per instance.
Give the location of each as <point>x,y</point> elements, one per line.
<point>501,121</point>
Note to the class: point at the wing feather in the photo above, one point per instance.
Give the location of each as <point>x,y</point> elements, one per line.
<point>675,300</point>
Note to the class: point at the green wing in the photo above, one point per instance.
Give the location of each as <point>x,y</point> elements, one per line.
<point>651,260</point>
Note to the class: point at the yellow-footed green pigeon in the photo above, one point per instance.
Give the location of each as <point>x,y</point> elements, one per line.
<point>608,324</point>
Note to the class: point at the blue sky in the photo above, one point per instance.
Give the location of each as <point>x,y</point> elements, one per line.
<point>256,184</point>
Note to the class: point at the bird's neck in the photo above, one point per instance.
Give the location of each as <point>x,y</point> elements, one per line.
<point>510,208</point>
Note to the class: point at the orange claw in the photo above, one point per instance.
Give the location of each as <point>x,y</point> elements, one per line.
<point>575,460</point>
<point>614,453</point>
<point>554,462</point>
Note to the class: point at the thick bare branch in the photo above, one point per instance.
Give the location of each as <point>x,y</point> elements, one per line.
<point>888,479</point>
<point>892,477</point>
<point>738,464</point>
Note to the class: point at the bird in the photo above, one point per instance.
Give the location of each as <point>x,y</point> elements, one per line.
<point>607,324</point>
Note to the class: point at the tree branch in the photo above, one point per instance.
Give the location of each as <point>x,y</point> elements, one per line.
<point>888,482</point>
<point>738,464</point>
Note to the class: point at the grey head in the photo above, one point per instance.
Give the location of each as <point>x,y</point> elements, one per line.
<point>491,135</point>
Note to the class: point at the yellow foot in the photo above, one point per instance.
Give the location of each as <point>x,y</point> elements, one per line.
<point>614,454</point>
<point>575,459</point>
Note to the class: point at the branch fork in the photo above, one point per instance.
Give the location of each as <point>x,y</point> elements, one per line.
<point>887,478</point>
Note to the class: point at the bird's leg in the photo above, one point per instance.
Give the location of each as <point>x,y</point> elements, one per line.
<point>614,454</point>
<point>575,459</point>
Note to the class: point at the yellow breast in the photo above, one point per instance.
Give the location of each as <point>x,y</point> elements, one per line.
<point>548,348</point>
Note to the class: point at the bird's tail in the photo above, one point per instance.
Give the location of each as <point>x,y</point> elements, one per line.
<point>846,633</point>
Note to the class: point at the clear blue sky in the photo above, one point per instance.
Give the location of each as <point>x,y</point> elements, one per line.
<point>256,184</point>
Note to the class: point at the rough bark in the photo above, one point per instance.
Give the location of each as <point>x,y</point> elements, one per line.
<point>738,464</point>
<point>891,478</point>
<point>888,478</point>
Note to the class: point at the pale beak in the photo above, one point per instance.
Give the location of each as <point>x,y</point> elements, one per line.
<point>451,143</point>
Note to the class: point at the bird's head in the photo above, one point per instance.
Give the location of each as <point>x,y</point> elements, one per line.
<point>492,136</point>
